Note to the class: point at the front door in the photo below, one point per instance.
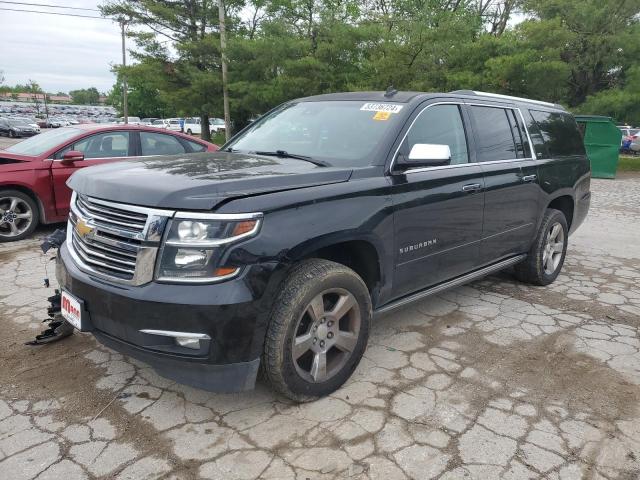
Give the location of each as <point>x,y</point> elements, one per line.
<point>511,195</point>
<point>97,148</point>
<point>437,210</point>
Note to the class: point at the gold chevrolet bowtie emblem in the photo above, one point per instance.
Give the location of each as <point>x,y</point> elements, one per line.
<point>82,229</point>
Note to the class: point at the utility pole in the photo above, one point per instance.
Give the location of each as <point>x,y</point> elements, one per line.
<point>125,106</point>
<point>223,55</point>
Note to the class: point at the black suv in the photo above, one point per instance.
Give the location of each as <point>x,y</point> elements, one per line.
<point>278,249</point>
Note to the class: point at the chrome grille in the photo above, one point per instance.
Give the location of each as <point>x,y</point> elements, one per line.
<point>115,241</point>
<point>104,214</point>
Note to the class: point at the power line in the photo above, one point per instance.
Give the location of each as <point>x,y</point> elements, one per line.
<point>53,13</point>
<point>50,6</point>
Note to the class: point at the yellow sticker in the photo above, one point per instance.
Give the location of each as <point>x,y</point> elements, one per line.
<point>382,116</point>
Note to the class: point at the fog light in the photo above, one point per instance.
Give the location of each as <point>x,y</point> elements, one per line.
<point>182,339</point>
<point>187,342</point>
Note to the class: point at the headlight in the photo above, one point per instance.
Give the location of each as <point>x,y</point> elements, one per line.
<point>195,245</point>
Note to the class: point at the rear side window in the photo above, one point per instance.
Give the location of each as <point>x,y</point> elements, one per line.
<point>196,147</point>
<point>494,131</point>
<point>560,133</point>
<point>160,144</point>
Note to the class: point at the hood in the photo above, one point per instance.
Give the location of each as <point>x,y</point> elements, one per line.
<point>199,181</point>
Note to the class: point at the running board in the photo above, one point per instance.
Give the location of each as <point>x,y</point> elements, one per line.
<point>456,282</point>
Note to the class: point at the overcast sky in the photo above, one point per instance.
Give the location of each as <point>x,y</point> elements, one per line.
<point>60,53</point>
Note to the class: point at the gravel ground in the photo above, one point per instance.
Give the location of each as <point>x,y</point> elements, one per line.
<point>494,380</point>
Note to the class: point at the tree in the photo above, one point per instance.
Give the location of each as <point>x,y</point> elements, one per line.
<point>190,80</point>
<point>85,96</point>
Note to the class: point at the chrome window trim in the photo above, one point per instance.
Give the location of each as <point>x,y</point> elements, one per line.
<point>444,167</point>
<point>404,137</point>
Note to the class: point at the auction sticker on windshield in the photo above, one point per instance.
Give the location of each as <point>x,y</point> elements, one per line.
<point>71,310</point>
<point>381,107</point>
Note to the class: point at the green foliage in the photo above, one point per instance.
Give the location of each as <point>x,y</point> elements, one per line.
<point>581,53</point>
<point>85,96</point>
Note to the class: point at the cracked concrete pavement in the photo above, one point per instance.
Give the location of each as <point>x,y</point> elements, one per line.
<point>494,380</point>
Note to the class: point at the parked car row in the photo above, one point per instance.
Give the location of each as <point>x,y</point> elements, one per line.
<point>188,125</point>
<point>630,142</point>
<point>18,127</point>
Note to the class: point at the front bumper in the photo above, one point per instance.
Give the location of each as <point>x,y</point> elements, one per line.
<point>233,314</point>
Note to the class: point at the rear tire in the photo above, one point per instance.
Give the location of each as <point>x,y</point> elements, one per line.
<point>546,256</point>
<point>189,132</point>
<point>318,330</point>
<point>19,215</point>
<point>11,134</point>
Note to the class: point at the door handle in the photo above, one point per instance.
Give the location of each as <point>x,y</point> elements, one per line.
<point>472,187</point>
<point>529,178</point>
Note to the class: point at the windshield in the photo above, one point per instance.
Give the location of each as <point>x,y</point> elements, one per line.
<point>217,121</point>
<point>342,133</point>
<point>44,141</point>
<point>18,123</point>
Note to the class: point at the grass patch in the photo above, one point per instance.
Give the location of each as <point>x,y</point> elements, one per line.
<point>628,164</point>
<point>218,139</point>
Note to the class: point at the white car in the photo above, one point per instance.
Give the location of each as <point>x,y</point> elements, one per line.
<point>175,124</point>
<point>192,125</point>
<point>130,120</point>
<point>160,123</point>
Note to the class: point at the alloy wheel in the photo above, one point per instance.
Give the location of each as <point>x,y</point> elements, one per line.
<point>553,249</point>
<point>16,216</point>
<point>326,335</point>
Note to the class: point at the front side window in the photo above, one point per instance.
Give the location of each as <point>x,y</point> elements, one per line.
<point>440,125</point>
<point>160,144</point>
<point>339,132</point>
<point>101,145</point>
<point>494,134</point>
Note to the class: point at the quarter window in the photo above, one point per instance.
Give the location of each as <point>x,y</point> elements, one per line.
<point>440,125</point>
<point>494,134</point>
<point>560,133</point>
<point>160,144</point>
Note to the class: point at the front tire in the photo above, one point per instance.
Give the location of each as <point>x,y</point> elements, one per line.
<point>189,132</point>
<point>318,330</point>
<point>12,134</point>
<point>546,256</point>
<point>19,215</point>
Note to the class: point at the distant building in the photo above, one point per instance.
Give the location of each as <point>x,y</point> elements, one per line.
<point>33,97</point>
<point>59,98</point>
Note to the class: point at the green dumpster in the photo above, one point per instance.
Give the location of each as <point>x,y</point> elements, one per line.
<point>602,140</point>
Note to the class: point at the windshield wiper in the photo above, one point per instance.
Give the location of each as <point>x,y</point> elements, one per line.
<point>283,154</point>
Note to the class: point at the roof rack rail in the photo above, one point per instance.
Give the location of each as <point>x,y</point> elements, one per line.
<point>507,97</point>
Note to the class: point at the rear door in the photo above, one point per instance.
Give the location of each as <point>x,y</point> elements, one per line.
<point>510,176</point>
<point>437,210</point>
<point>97,148</point>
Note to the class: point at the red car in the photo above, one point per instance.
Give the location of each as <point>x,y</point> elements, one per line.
<point>33,173</point>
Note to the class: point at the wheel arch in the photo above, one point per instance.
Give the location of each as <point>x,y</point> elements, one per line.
<point>361,254</point>
<point>566,204</point>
